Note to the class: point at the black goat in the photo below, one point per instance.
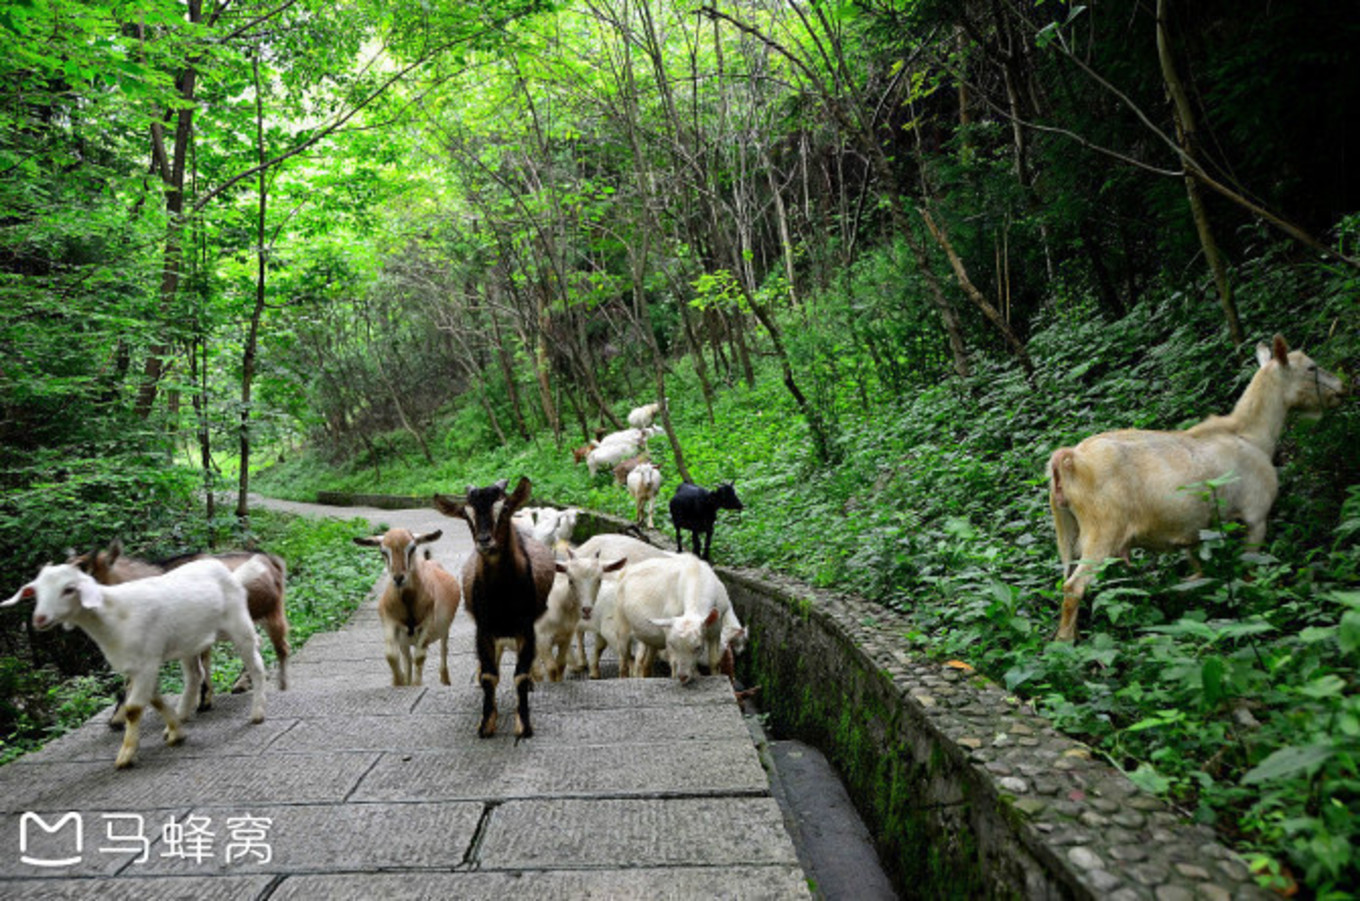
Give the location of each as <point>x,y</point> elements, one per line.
<point>505,588</point>
<point>696,509</point>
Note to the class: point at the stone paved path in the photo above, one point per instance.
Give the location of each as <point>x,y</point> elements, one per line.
<point>629,788</point>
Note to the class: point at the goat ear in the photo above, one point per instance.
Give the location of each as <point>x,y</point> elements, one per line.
<point>447,505</point>
<point>91,598</point>
<point>502,484</point>
<point>1263,354</point>
<point>664,622</point>
<point>712,617</point>
<point>429,536</point>
<point>1280,349</point>
<point>115,550</point>
<point>522,490</point>
<point>23,594</point>
<point>369,541</point>
<point>614,566</point>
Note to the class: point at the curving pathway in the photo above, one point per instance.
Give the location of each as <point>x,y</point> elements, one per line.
<point>354,789</point>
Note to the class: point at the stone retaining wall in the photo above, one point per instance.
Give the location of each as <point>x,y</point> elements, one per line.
<point>380,501</point>
<point>969,792</point>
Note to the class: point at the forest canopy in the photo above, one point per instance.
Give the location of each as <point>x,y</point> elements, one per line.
<point>926,243</point>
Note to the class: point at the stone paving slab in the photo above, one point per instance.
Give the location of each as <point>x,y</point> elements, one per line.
<point>738,883</point>
<point>214,733</point>
<point>194,888</point>
<point>433,732</point>
<point>166,782</point>
<point>341,702</point>
<point>496,769</point>
<point>336,838</point>
<point>597,694</point>
<point>724,831</point>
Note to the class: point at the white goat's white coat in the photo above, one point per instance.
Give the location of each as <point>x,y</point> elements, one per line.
<point>641,417</point>
<point>644,484</point>
<point>571,600</point>
<point>602,624</point>
<point>561,534</point>
<point>139,625</point>
<point>611,545</point>
<point>610,454</point>
<point>670,603</point>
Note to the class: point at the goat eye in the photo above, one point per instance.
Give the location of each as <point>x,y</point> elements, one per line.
<point>69,589</point>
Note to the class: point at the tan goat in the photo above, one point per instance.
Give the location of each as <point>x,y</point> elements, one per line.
<point>1135,488</point>
<point>417,605</point>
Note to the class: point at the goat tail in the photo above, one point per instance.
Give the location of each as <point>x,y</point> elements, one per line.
<point>279,564</point>
<point>1065,525</point>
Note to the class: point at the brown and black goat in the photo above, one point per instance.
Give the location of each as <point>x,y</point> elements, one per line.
<point>505,589</point>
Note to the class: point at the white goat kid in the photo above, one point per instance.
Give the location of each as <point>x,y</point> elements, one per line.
<point>670,603</point>
<point>566,528</point>
<point>609,454</point>
<point>1125,489</point>
<point>600,621</point>
<point>571,600</point>
<point>139,625</point>
<point>641,417</point>
<point>417,605</point>
<point>644,484</point>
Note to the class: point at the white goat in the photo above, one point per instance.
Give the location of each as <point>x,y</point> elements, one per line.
<point>611,544</point>
<point>417,605</point>
<point>641,417</point>
<point>669,603</point>
<point>644,484</point>
<point>608,455</point>
<point>139,625</point>
<point>600,622</point>
<point>1125,489</point>
<point>571,600</point>
<point>560,539</point>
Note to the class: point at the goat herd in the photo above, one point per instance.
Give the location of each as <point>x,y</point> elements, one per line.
<point>528,590</point>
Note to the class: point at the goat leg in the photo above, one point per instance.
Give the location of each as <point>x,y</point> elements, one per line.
<point>490,678</point>
<point>524,683</point>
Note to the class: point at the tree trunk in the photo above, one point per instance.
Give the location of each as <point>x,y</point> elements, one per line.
<point>253,333</point>
<point>697,353</point>
<point>507,370</point>
<point>171,168</point>
<point>1187,137</point>
<point>979,300</point>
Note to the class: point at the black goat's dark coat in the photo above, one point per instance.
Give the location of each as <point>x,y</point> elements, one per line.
<point>506,582</point>
<point>696,509</point>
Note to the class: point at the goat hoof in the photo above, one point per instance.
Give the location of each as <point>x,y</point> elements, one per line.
<point>173,738</point>
<point>123,762</point>
<point>488,727</point>
<point>522,729</point>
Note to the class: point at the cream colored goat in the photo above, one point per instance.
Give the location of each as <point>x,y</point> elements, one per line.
<point>1135,488</point>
